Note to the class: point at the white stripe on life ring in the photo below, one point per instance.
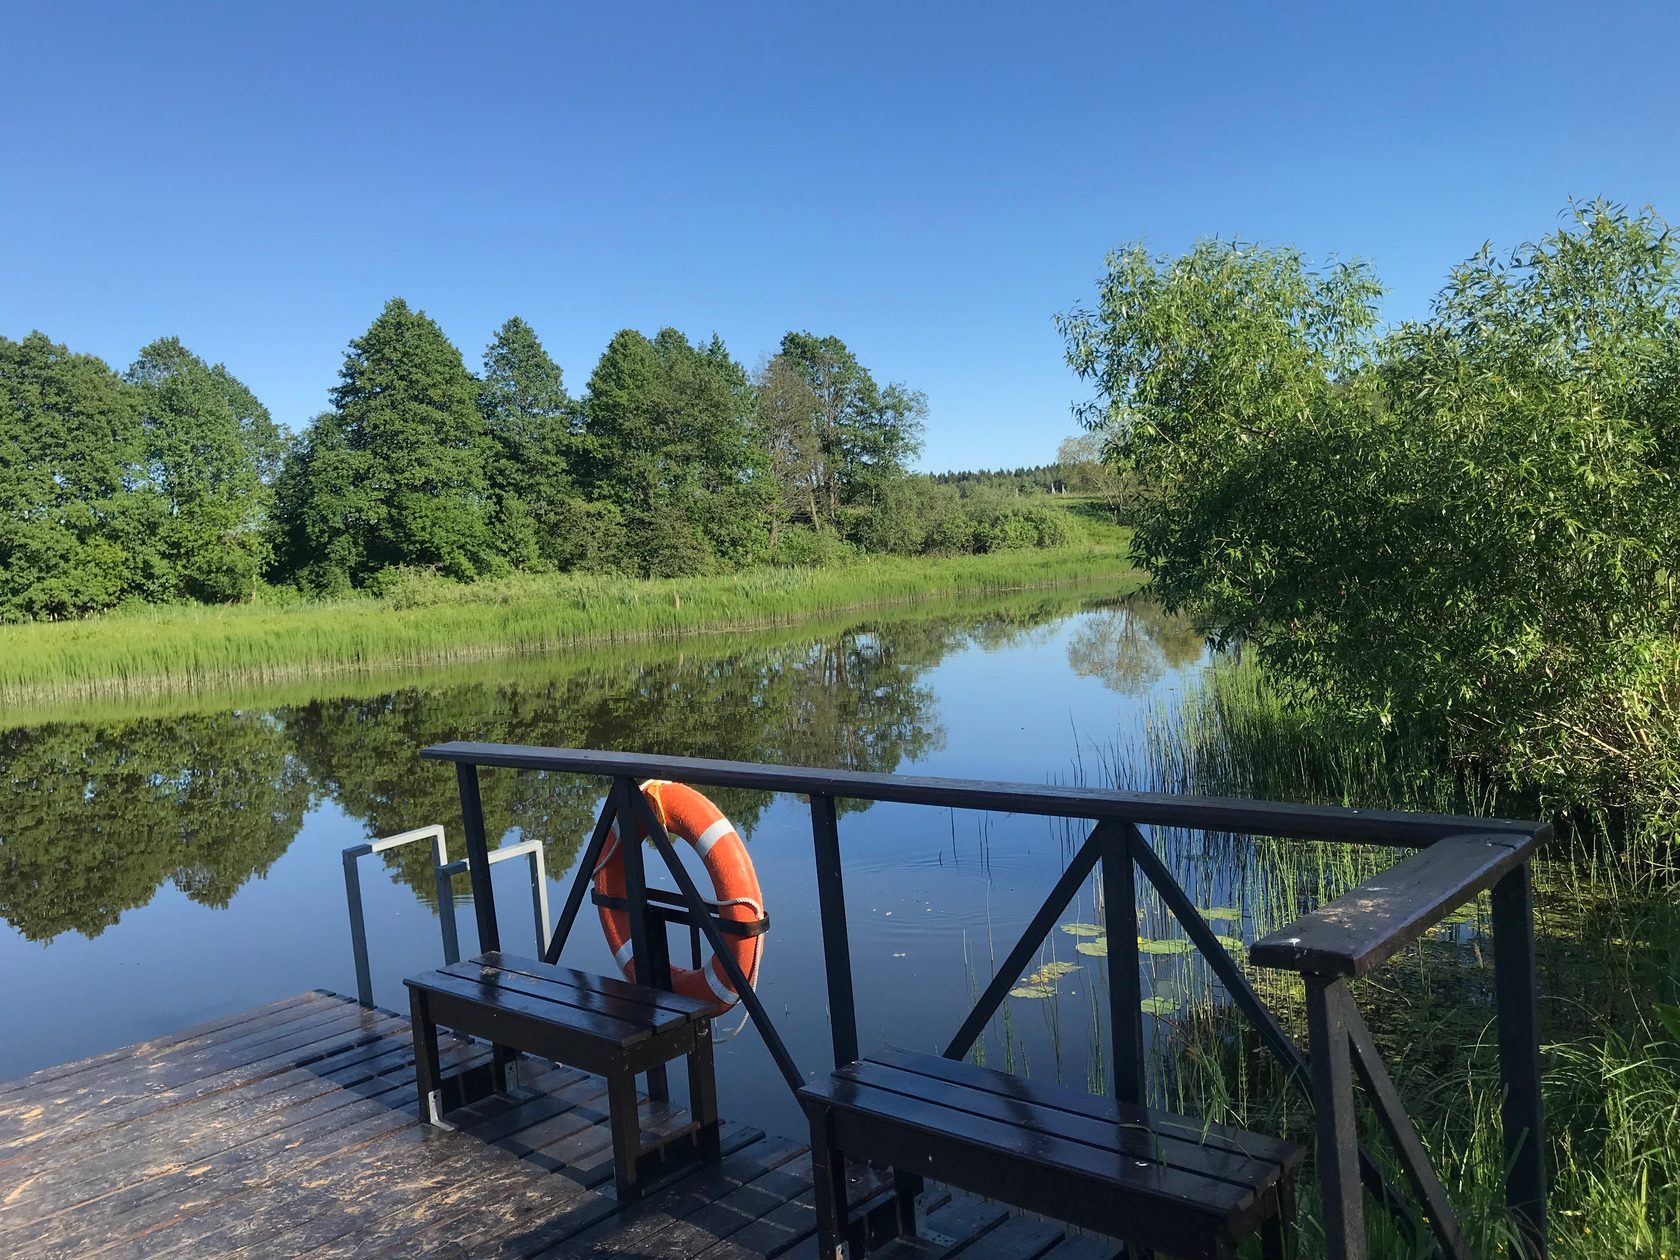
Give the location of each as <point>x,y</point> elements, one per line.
<point>724,993</point>
<point>625,952</point>
<point>717,831</point>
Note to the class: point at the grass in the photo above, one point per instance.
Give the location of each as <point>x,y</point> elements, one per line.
<point>1609,935</point>
<point>167,650</point>
<point>1609,948</point>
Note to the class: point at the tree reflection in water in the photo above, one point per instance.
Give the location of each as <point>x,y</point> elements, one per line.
<point>98,816</point>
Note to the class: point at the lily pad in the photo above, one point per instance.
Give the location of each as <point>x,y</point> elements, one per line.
<point>1158,1006</point>
<point>1033,991</point>
<point>1083,929</point>
<point>1094,949</point>
<point>1220,912</point>
<point>1168,945</point>
<point>1051,972</point>
<point>1232,943</point>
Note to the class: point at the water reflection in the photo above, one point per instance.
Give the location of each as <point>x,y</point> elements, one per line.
<point>99,815</point>
<point>1131,646</point>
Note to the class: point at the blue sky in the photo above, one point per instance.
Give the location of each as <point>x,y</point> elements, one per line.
<point>931,182</point>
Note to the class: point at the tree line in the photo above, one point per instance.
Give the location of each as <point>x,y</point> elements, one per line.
<point>172,483</point>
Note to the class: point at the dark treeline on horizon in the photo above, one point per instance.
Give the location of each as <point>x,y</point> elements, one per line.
<point>171,483</point>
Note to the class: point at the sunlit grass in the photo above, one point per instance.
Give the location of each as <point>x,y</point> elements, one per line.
<point>163,650</point>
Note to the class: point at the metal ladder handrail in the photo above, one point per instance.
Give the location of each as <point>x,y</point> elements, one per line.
<point>443,871</point>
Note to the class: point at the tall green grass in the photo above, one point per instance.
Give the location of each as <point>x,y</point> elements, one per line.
<point>1609,942</point>
<point>426,623</point>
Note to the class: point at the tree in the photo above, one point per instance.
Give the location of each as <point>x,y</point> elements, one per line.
<point>75,520</point>
<point>396,473</point>
<point>787,424</point>
<point>530,420</point>
<point>864,436</point>
<point>1463,529</point>
<point>667,443</point>
<point>211,452</point>
<point>1084,467</point>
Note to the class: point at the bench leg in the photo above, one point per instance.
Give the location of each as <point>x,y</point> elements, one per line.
<point>626,1135</point>
<point>504,1070</point>
<point>428,1075</point>
<point>702,1092</point>
<point>907,1188</point>
<point>828,1176</point>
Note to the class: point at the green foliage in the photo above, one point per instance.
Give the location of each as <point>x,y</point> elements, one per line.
<point>667,442</point>
<point>75,532</point>
<point>397,472</point>
<point>1460,529</point>
<point>845,439</point>
<point>211,454</point>
<point>532,424</point>
<point>174,485</point>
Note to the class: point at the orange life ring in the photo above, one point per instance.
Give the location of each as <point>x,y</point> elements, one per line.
<point>685,812</point>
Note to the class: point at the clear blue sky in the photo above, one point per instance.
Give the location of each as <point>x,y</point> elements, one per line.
<point>931,182</point>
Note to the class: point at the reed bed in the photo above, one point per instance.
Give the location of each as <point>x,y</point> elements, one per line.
<point>166,650</point>
<point>1609,939</point>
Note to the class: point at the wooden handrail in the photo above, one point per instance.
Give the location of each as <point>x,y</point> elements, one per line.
<point>1373,920</point>
<point>1160,809</point>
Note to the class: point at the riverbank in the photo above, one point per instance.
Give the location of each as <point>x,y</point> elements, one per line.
<point>160,651</point>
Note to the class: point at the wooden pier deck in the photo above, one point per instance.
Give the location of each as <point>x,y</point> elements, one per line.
<point>290,1130</point>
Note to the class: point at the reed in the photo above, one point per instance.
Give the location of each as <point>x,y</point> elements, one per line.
<point>422,623</point>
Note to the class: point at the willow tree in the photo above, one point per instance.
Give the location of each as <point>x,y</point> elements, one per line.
<point>1463,528</point>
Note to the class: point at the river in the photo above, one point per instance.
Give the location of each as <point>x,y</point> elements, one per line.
<point>168,861</point>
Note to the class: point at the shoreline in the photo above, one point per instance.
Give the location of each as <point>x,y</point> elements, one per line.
<point>164,652</point>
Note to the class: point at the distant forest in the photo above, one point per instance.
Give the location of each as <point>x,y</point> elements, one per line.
<point>171,483</point>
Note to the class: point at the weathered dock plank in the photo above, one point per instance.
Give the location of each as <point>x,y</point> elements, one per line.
<point>290,1130</point>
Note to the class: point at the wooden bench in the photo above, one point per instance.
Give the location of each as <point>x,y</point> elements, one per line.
<point>601,1025</point>
<point>1141,1176</point>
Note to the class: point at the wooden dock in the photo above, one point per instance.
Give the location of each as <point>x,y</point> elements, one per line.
<point>291,1130</point>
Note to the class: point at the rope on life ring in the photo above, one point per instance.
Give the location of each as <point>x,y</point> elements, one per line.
<point>684,812</point>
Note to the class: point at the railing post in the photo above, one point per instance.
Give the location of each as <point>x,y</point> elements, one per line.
<point>837,951</point>
<point>358,926</point>
<point>1516,986</point>
<point>635,880</point>
<point>478,858</point>
<point>1125,984</point>
<point>539,896</point>
<point>1336,1144</point>
<point>446,913</point>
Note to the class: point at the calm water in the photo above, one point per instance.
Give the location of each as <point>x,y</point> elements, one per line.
<point>163,868</point>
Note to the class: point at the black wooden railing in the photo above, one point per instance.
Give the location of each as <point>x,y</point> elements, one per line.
<point>1457,858</point>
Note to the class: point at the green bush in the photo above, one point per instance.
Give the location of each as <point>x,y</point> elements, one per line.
<point>801,547</point>
<point>1462,528</point>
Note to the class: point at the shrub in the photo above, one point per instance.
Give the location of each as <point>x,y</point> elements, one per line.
<point>1462,528</point>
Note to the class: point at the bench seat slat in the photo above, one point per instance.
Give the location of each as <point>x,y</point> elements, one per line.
<point>652,1018</point>
<point>1146,1177</point>
<point>1059,1097</point>
<point>608,986</point>
<point>1121,1172</point>
<point>1136,1138</point>
<point>494,998</point>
